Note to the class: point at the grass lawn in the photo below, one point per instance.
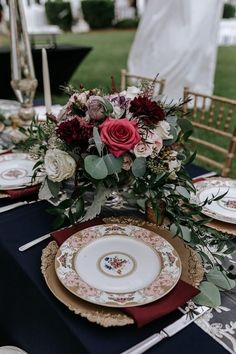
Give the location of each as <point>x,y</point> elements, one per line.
<point>110,52</point>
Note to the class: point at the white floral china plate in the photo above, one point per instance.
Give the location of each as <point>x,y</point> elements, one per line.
<point>223,209</point>
<point>16,171</point>
<point>118,265</point>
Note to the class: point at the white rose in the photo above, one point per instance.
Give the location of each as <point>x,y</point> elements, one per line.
<point>59,165</point>
<point>132,92</point>
<point>142,149</point>
<point>163,130</point>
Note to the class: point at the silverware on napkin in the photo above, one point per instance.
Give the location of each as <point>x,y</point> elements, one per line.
<point>15,205</point>
<point>167,332</point>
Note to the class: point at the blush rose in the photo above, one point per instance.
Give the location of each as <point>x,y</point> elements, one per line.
<point>120,135</point>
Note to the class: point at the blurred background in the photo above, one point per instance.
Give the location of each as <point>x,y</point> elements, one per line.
<point>109,28</point>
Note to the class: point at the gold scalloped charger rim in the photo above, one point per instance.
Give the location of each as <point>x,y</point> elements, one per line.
<point>103,316</point>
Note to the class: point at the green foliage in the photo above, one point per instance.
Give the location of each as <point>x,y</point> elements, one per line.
<point>220,279</point>
<point>97,141</point>
<point>59,13</point>
<point>209,296</point>
<point>229,11</point>
<point>95,166</point>
<point>113,164</point>
<point>139,167</point>
<point>98,13</point>
<point>127,23</point>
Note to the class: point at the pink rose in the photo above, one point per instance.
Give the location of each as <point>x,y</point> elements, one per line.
<point>120,135</point>
<point>142,149</point>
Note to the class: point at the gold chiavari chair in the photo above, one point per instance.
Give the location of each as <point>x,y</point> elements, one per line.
<point>214,122</point>
<point>128,79</point>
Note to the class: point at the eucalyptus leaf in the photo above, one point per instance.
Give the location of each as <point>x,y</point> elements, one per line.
<point>173,229</point>
<point>185,231</point>
<point>209,296</point>
<point>142,203</point>
<point>114,164</point>
<point>183,191</point>
<point>44,191</point>
<point>54,187</point>
<point>100,197</point>
<point>139,167</point>
<point>172,120</point>
<point>185,125</point>
<point>97,140</point>
<point>220,279</point>
<point>95,166</point>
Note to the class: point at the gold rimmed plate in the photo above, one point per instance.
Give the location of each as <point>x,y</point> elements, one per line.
<point>16,171</point>
<point>223,209</point>
<point>118,265</point>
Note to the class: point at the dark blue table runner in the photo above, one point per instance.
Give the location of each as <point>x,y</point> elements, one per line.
<point>37,322</point>
<point>33,319</point>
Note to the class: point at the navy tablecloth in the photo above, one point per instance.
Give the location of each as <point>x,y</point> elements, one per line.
<point>33,319</point>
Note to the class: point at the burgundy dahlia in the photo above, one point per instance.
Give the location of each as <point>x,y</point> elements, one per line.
<point>146,110</point>
<point>75,131</point>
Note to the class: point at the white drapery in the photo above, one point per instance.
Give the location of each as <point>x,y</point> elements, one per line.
<point>177,39</point>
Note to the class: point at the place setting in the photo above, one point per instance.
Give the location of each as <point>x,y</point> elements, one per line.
<point>102,273</point>
<point>16,177</point>
<point>222,211</point>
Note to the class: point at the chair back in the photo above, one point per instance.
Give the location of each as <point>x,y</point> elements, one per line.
<point>214,122</point>
<point>128,79</point>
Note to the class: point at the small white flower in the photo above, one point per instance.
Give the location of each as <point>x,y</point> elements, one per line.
<point>59,165</point>
<point>132,92</point>
<point>163,130</point>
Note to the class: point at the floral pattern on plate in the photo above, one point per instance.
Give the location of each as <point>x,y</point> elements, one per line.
<point>223,209</point>
<point>16,171</point>
<point>118,265</point>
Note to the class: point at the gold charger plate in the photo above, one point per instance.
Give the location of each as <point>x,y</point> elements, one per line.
<point>192,273</point>
<point>223,227</point>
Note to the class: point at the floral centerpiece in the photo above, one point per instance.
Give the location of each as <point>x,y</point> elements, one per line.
<point>130,142</point>
<point>122,141</point>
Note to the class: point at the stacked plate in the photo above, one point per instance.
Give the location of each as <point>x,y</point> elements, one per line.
<point>16,171</point>
<point>117,265</point>
<point>8,349</point>
<point>223,209</point>
<point>9,107</point>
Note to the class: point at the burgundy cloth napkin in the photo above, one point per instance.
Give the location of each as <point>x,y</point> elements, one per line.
<point>198,179</point>
<point>142,315</point>
<point>23,192</point>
